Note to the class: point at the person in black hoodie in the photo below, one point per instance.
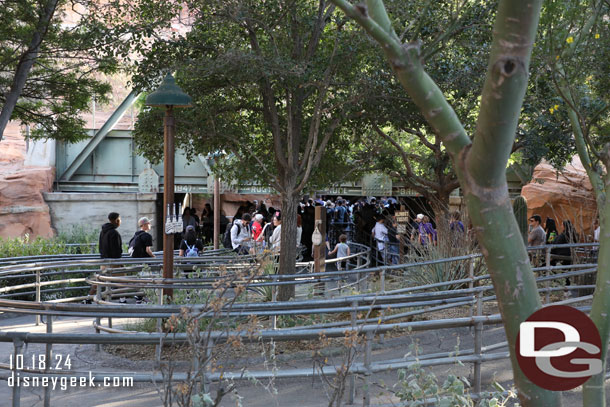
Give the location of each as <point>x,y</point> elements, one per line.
<point>110,244</point>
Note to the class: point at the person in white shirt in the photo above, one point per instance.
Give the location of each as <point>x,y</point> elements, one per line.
<point>380,233</point>
<point>241,235</point>
<point>299,230</point>
<point>597,231</point>
<point>276,237</point>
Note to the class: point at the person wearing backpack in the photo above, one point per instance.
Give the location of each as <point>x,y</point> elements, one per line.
<point>190,246</point>
<point>241,234</point>
<point>140,245</point>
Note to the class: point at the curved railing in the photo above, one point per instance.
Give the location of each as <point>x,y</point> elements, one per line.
<point>377,292</point>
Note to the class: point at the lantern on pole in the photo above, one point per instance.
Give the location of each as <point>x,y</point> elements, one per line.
<point>169,95</point>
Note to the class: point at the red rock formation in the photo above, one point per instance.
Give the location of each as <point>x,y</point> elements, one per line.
<point>22,206</point>
<point>561,195</point>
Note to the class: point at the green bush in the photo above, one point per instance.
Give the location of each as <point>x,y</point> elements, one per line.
<point>24,246</point>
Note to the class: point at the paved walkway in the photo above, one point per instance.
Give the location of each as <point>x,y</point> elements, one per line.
<point>290,392</point>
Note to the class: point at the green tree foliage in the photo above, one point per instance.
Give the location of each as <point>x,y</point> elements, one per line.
<point>455,41</point>
<point>479,160</point>
<point>54,55</point>
<point>275,86</point>
<point>576,52</point>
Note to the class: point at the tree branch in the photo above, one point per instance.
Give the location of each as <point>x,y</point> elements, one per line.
<point>26,62</point>
<point>270,112</point>
<point>405,159</point>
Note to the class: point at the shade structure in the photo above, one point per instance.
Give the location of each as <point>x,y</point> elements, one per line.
<point>169,94</point>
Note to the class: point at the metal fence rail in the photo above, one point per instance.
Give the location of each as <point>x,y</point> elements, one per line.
<point>392,304</point>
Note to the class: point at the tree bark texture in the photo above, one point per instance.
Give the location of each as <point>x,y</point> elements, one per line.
<point>481,163</point>
<point>25,64</point>
<point>290,203</point>
<point>593,390</point>
<point>300,135</point>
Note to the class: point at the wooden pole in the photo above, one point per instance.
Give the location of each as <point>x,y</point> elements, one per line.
<point>216,212</point>
<point>402,237</point>
<point>168,195</point>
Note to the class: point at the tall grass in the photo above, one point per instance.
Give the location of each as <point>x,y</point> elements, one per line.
<point>450,244</point>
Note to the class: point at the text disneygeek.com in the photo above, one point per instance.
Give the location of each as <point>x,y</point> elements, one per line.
<point>21,377</point>
<point>65,382</point>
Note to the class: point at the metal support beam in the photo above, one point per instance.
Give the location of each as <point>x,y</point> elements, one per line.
<point>99,136</point>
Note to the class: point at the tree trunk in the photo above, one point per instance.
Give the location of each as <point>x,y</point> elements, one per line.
<point>481,164</point>
<point>593,390</point>
<point>288,253</point>
<point>482,175</point>
<point>25,65</point>
<point>440,207</point>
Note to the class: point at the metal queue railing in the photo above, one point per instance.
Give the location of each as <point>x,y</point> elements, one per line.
<point>401,302</point>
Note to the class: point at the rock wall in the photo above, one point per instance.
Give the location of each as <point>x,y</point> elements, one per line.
<point>561,195</point>
<point>22,206</point>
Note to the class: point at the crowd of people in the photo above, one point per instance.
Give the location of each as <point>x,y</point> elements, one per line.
<point>546,233</point>
<point>256,227</point>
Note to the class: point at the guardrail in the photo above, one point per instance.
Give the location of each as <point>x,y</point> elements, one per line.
<point>402,302</point>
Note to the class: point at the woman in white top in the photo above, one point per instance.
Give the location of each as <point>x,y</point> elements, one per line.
<point>276,237</point>
<point>380,233</point>
<point>299,230</point>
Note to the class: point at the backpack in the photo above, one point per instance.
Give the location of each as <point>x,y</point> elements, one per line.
<point>226,241</point>
<point>191,251</point>
<point>133,242</point>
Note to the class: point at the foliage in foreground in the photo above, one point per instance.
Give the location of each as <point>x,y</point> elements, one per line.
<point>25,246</point>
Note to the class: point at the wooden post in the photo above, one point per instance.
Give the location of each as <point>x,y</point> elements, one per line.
<point>216,212</point>
<point>168,195</point>
<point>319,252</point>
<point>402,221</point>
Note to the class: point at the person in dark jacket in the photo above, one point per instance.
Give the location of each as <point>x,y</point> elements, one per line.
<point>190,242</point>
<point>568,235</point>
<point>550,227</point>
<point>110,245</point>
<point>141,246</point>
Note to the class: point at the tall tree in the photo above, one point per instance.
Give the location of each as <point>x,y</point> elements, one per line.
<point>576,51</point>
<point>274,84</point>
<point>480,161</point>
<point>454,36</point>
<point>54,54</point>
<point>455,40</point>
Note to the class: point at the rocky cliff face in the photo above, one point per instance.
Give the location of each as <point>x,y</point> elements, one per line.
<point>22,206</point>
<point>561,195</point>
